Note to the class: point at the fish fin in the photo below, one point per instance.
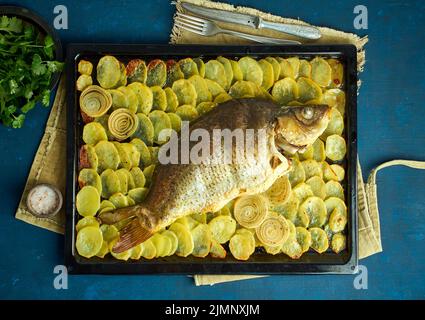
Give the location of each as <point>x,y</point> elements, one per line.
<point>133,234</point>
<point>111,217</point>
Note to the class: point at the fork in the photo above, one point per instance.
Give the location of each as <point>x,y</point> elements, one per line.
<point>208,28</point>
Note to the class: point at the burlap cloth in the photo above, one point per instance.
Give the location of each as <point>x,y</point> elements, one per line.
<point>50,160</point>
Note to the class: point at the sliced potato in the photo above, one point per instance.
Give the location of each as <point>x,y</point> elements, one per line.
<point>110,183</point>
<point>214,88</point>
<point>321,72</point>
<point>162,126</point>
<point>339,171</point>
<point>285,90</point>
<point>328,173</point>
<point>295,65</point>
<point>123,76</point>
<point>222,97</point>
<point>335,147</point>
<point>145,130</point>
<point>122,176</point>
<point>85,67</point>
<point>188,67</point>
<point>241,89</point>
<point>215,71</point>
<point>337,73</point>
<point>307,154</point>
<point>138,176</point>
<point>285,68</point>
<point>174,72</point>
<point>320,242</point>
<point>83,82</point>
<point>242,246</point>
<point>119,200</point>
<point>133,101</point>
<point>173,240</point>
<point>292,249</point>
<point>162,244</point>
<point>176,121</point>
<point>119,256</point>
<point>88,221</point>
<point>186,244</point>
<point>172,100</point>
<point>268,74</point>
<point>202,92</point>
<point>205,107</point>
<point>312,168</point>
<point>222,228</point>
<point>237,72</point>
<point>296,174</point>
<point>93,132</point>
<point>136,252</point>
<point>276,68</point>
<point>159,98</point>
<point>308,90</point>
<point>156,73</point>
<point>148,249</point>
<point>109,232</point>
<point>228,70</point>
<point>87,201</point>
<point>304,238</point>
<point>138,194</point>
<point>144,96</point>
<point>148,172</point>
<point>108,72</point>
<point>136,71</point>
<point>145,156</point>
<point>334,189</point>
<point>125,161</point>
<point>89,241</point>
<point>335,98</point>
<point>132,153</point>
<point>185,91</point>
<point>335,126</point>
<point>104,250</point>
<point>337,220</point>
<point>288,209</point>
<point>201,235</point>
<point>88,157</point>
<point>201,66</point>
<point>119,99</point>
<point>217,250</point>
<point>338,243</point>
<point>305,69</point>
<point>200,217</point>
<point>319,153</point>
<point>302,191</point>
<point>90,177</point>
<point>315,208</point>
<point>333,203</point>
<point>251,70</point>
<point>318,186</point>
<point>187,112</point>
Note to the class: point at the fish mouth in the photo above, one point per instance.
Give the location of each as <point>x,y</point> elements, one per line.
<point>287,148</point>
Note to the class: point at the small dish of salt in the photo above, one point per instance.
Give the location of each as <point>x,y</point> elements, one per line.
<point>44,200</point>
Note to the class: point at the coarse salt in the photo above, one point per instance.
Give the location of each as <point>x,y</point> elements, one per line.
<point>43,200</point>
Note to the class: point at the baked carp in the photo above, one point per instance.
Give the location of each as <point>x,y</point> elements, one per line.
<point>182,189</point>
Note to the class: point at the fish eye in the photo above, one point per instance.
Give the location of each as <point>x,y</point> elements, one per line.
<point>307,113</point>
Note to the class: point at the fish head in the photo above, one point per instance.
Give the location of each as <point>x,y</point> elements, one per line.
<point>299,126</point>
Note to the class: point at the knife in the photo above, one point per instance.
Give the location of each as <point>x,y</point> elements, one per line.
<point>253,21</point>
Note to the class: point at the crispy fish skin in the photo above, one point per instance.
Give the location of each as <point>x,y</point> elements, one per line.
<point>181,189</point>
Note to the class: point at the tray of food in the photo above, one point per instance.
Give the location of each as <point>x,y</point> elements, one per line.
<point>153,186</point>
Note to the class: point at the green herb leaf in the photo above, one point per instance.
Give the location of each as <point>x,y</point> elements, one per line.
<point>28,106</point>
<point>54,66</point>
<point>37,66</point>
<point>13,86</point>
<point>18,122</point>
<point>45,100</point>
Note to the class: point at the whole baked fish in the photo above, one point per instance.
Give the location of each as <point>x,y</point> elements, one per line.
<point>182,189</point>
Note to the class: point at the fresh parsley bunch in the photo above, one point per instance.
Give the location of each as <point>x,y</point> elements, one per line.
<point>26,68</point>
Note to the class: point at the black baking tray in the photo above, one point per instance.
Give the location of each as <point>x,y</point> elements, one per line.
<point>259,263</point>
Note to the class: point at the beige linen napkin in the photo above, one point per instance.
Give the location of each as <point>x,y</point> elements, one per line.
<point>49,164</point>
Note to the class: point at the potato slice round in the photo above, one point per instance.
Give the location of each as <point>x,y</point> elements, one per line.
<point>335,147</point>
<point>89,241</point>
<point>288,209</point>
<point>108,72</point>
<point>119,200</point>
<point>241,89</point>
<point>318,186</point>
<point>94,132</point>
<point>85,67</point>
<point>276,68</point>
<point>138,176</point>
<point>173,240</point>
<point>285,68</point>
<point>337,73</point>
<point>136,71</point>
<point>201,235</point>
<point>119,99</point>
<point>335,98</point>
<point>88,157</point>
<point>320,242</point>
<point>302,219</point>
<point>339,172</point>
<point>188,67</point>
<point>334,189</point>
<point>83,82</point>
<point>162,244</point>
<point>87,201</point>
<point>138,194</point>
<point>175,120</point>
<point>159,98</point>
<point>319,151</point>
<point>186,244</point>
<point>280,191</point>
<point>295,65</point>
<point>304,238</point>
<point>308,90</point>
<point>306,154</point>
<point>90,177</point>
<point>337,221</point>
<point>136,252</point>
<point>302,191</point>
<point>215,71</point>
<point>201,66</point>
<point>328,173</point>
<point>122,176</point>
<point>214,88</point>
<point>222,97</point>
<point>148,172</point>
<point>251,210</point>
<point>305,69</point>
<point>268,74</point>
<point>148,249</point>
<point>315,208</point>
<point>156,73</point>
<point>110,183</point>
<point>202,92</point>
<point>237,72</point>
<point>205,107</point>
<point>104,250</point>
<point>174,72</point>
<point>228,70</point>
<point>187,112</point>
<point>145,156</point>
<point>242,246</point>
<point>145,130</point>
<point>338,243</point>
<point>119,256</point>
<point>133,101</point>
<point>321,72</point>
<point>292,249</point>
<point>285,90</point>
<point>162,126</point>
<point>251,70</point>
<point>172,100</point>
<point>296,174</point>
<point>88,221</point>
<point>312,168</point>
<point>185,91</point>
<point>144,96</point>
<point>335,126</point>
<point>106,204</point>
<point>109,232</point>
<point>222,228</point>
<point>333,203</point>
<point>125,161</point>
<point>217,250</point>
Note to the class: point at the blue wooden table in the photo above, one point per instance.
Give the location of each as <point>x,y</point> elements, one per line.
<point>391,125</point>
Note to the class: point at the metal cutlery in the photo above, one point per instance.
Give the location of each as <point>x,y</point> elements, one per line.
<point>209,28</point>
